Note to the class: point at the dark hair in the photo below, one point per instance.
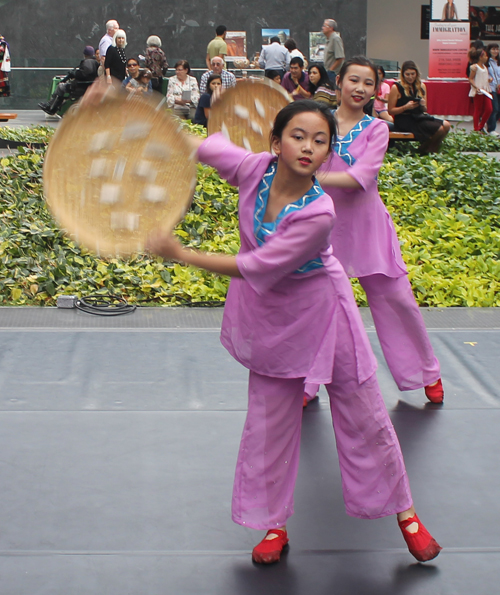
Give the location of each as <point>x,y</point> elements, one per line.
<point>475,54</point>
<point>184,64</point>
<point>275,38</point>
<point>298,107</point>
<point>272,74</point>
<point>358,61</point>
<point>409,65</point>
<point>290,44</point>
<point>211,78</point>
<point>297,60</point>
<point>478,44</point>
<point>324,80</point>
<point>220,30</point>
<point>492,46</point>
<point>382,70</point>
<point>134,59</point>
<point>144,72</point>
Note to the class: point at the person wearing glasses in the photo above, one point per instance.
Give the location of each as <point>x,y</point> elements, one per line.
<point>133,71</point>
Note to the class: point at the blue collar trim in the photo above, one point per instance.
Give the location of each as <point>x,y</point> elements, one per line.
<point>263,230</point>
<point>341,147</point>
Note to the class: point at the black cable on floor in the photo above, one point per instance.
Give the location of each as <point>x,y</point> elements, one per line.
<point>104,305</point>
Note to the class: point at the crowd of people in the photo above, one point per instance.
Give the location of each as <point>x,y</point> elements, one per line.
<point>403,106</point>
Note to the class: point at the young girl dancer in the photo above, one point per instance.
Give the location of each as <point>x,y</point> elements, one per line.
<point>364,239</point>
<point>290,317</point>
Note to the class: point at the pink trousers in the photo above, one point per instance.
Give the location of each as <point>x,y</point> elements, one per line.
<point>401,331</point>
<point>374,480</point>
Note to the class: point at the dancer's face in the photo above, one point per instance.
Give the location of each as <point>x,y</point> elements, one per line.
<point>304,144</point>
<point>357,86</point>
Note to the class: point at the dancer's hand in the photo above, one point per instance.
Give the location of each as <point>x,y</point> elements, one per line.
<point>165,245</point>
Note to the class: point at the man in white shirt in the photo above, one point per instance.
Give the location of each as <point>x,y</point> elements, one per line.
<point>106,40</point>
<point>275,57</point>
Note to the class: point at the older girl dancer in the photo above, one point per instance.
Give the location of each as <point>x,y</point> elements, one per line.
<point>364,239</point>
<point>291,318</point>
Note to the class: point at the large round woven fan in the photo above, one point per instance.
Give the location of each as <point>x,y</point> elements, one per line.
<point>115,172</point>
<point>245,113</point>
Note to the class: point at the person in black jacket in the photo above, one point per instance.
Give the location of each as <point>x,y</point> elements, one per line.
<point>76,82</point>
<point>116,59</point>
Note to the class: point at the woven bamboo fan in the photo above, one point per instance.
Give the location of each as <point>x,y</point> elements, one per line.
<point>245,113</point>
<point>114,173</point>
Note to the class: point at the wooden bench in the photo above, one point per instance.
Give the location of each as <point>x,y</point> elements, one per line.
<point>401,136</point>
<point>6,117</point>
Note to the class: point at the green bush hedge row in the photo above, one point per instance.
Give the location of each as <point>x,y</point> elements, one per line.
<point>445,207</point>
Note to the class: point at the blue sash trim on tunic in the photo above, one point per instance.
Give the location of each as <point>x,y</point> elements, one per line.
<point>263,230</point>
<point>341,147</point>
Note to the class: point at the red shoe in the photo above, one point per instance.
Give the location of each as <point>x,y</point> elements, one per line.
<point>421,544</point>
<point>308,399</point>
<point>269,550</point>
<point>435,392</point>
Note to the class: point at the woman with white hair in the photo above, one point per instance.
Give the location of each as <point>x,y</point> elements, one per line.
<point>156,61</point>
<point>116,59</point>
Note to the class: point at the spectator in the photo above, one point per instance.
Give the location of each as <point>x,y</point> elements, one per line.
<point>116,59</point>
<point>141,83</point>
<point>275,57</point>
<point>4,68</point>
<point>291,46</point>
<point>274,75</point>
<point>217,47</point>
<point>214,87</point>
<point>76,82</point>
<point>494,72</point>
<point>478,45</point>
<point>320,86</point>
<point>182,92</point>
<point>134,71</point>
<point>296,82</point>
<point>156,61</point>
<point>107,39</point>
<point>100,70</point>
<point>334,50</point>
<point>382,98</point>
<point>228,78</point>
<point>480,85</point>
<point>407,105</point>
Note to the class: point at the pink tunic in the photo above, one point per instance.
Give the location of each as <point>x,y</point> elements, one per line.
<point>278,322</point>
<point>364,238</point>
<point>287,327</point>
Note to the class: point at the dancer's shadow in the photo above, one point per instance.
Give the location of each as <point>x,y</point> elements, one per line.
<point>263,579</point>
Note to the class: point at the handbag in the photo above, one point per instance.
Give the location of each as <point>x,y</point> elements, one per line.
<point>5,66</point>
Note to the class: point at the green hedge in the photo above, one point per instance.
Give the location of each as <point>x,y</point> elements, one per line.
<point>446,209</point>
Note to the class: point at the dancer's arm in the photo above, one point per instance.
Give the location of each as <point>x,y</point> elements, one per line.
<point>365,170</point>
<point>168,247</point>
<point>295,243</point>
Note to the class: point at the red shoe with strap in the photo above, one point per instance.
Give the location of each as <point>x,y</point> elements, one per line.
<point>435,392</point>
<point>421,543</point>
<point>269,550</point>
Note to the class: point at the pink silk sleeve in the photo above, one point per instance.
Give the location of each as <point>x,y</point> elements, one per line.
<point>369,162</point>
<point>232,162</point>
<point>294,243</point>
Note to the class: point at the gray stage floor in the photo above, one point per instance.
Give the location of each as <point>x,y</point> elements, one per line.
<point>118,440</point>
